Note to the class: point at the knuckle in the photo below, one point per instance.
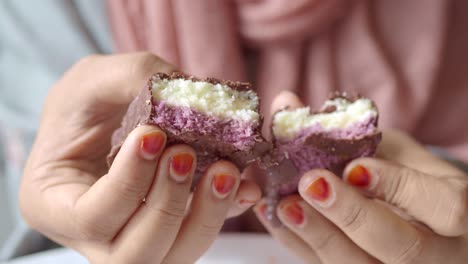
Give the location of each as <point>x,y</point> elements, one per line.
<point>396,190</point>
<point>90,230</point>
<point>146,55</point>
<point>129,191</point>
<point>171,212</point>
<point>326,242</point>
<point>25,208</point>
<point>87,60</point>
<point>401,134</point>
<point>411,252</point>
<point>209,230</point>
<point>177,205</point>
<point>458,214</point>
<point>353,218</point>
<point>169,218</point>
<point>398,136</point>
<point>143,64</point>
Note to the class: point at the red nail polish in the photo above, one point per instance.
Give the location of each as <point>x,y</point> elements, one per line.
<point>293,213</point>
<point>319,189</point>
<point>359,176</point>
<point>223,184</point>
<point>151,144</point>
<point>181,165</point>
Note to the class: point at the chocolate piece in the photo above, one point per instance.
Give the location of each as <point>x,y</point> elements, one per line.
<point>337,136</point>
<point>212,137</point>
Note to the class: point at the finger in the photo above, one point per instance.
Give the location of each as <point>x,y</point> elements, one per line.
<point>285,99</point>
<point>290,240</point>
<point>215,193</point>
<point>123,78</point>
<point>401,148</point>
<point>440,203</point>
<point>248,194</point>
<point>156,223</point>
<point>372,227</point>
<point>319,233</point>
<point>109,203</point>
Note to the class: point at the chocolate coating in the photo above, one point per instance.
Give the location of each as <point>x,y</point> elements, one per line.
<point>240,86</point>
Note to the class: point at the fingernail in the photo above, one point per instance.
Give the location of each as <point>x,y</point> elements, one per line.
<point>223,184</point>
<point>359,176</point>
<point>261,210</point>
<point>243,203</point>
<point>151,144</point>
<point>181,165</point>
<point>318,190</point>
<point>293,213</point>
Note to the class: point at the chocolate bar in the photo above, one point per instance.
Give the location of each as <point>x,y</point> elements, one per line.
<point>219,119</point>
<point>342,130</point>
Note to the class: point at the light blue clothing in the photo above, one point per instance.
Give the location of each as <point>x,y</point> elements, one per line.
<point>39,41</point>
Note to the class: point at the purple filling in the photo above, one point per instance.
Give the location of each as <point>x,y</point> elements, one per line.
<point>313,148</point>
<point>306,157</point>
<point>179,120</point>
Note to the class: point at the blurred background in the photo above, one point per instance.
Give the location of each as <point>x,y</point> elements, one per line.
<point>6,221</point>
<point>39,41</point>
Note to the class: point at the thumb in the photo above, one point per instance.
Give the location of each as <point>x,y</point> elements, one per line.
<point>440,203</point>
<point>282,100</point>
<point>285,99</point>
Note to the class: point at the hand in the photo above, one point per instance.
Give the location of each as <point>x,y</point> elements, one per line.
<point>141,209</point>
<point>405,206</point>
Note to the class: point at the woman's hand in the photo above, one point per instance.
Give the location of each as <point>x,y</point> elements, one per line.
<point>141,209</point>
<point>405,206</point>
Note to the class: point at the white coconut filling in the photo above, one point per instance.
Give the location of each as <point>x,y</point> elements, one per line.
<point>288,123</point>
<point>213,99</point>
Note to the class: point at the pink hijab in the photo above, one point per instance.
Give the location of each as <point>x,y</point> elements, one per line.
<point>411,57</point>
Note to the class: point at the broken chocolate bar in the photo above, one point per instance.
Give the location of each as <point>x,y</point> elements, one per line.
<point>343,130</point>
<point>219,119</point>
